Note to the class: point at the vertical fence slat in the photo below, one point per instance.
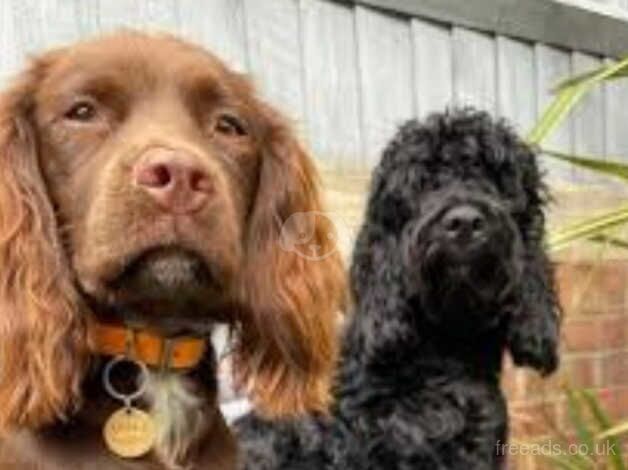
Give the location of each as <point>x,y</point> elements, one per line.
<point>274,52</point>
<point>384,58</point>
<point>331,82</point>
<point>616,96</point>
<point>432,66</point>
<point>553,65</point>
<point>516,87</point>
<point>588,120</point>
<point>57,22</point>
<point>160,14</point>
<point>10,57</point>
<point>34,28</point>
<point>474,69</point>
<point>113,15</point>
<point>138,14</point>
<point>221,30</point>
<point>352,77</point>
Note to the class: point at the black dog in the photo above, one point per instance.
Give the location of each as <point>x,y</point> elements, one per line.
<point>449,271</point>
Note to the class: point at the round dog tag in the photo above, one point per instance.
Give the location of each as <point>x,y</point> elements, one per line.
<point>129,433</point>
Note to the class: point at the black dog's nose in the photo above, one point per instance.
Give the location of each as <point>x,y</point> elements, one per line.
<point>464,223</point>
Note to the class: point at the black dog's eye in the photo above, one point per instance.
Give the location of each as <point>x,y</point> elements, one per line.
<point>230,125</point>
<point>82,111</point>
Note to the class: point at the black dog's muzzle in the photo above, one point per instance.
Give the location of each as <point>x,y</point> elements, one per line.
<point>464,250</point>
<point>461,224</point>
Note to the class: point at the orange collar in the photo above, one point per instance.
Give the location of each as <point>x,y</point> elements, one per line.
<point>149,348</point>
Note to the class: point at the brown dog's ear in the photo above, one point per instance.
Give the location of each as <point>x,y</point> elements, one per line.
<point>42,333</point>
<point>294,285</point>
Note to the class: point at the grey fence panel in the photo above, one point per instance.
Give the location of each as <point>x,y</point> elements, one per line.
<point>275,53</point>
<point>161,14</point>
<point>332,101</point>
<point>552,65</point>
<point>10,57</point>
<point>88,18</point>
<point>219,26</point>
<point>432,65</point>
<point>27,29</point>
<point>347,73</point>
<point>34,29</point>
<point>516,87</point>
<point>143,14</point>
<point>114,15</point>
<point>55,22</point>
<point>588,120</point>
<point>385,64</point>
<point>475,77</point>
<point>616,122</point>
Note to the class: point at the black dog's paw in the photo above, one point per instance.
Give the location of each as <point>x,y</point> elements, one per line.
<point>534,343</point>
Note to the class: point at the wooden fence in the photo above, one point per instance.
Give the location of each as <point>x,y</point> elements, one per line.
<point>346,72</point>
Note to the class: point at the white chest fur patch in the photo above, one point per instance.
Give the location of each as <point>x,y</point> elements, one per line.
<point>181,416</point>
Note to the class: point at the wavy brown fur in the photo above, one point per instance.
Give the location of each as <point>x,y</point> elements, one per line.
<point>43,346</point>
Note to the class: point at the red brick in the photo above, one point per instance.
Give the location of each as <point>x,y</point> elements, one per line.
<point>613,331</point>
<point>606,398</point>
<point>592,288</point>
<point>621,402</point>
<point>517,385</point>
<point>524,462</point>
<point>533,420</point>
<point>569,279</point>
<point>581,335</point>
<point>509,384</point>
<point>579,372</point>
<point>562,415</point>
<point>576,287</point>
<point>595,334</point>
<point>542,388</point>
<point>615,369</point>
<point>613,284</point>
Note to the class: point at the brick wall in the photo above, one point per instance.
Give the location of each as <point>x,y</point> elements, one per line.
<point>594,356</point>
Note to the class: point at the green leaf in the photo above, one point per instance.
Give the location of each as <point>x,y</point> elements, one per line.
<point>587,228</point>
<point>604,423</point>
<point>574,459</point>
<point>574,407</point>
<point>564,462</point>
<point>605,72</point>
<point>569,93</point>
<point>556,112</point>
<point>607,167</point>
<point>596,410</point>
<point>614,431</point>
<point>611,241</point>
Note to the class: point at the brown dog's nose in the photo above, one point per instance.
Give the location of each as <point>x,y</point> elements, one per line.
<point>174,180</point>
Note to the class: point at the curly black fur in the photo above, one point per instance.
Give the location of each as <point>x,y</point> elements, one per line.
<point>449,271</point>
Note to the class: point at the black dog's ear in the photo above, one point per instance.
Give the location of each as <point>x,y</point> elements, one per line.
<point>533,331</point>
<point>381,321</point>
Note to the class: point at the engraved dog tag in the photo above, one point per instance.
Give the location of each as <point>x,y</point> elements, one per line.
<point>129,433</point>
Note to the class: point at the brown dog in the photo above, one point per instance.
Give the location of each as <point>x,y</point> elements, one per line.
<point>143,187</point>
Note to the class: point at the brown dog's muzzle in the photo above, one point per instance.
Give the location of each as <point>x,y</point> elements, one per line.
<point>163,227</point>
<point>174,179</point>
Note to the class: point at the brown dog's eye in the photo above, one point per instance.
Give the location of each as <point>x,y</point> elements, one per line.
<point>230,125</point>
<point>82,111</point>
